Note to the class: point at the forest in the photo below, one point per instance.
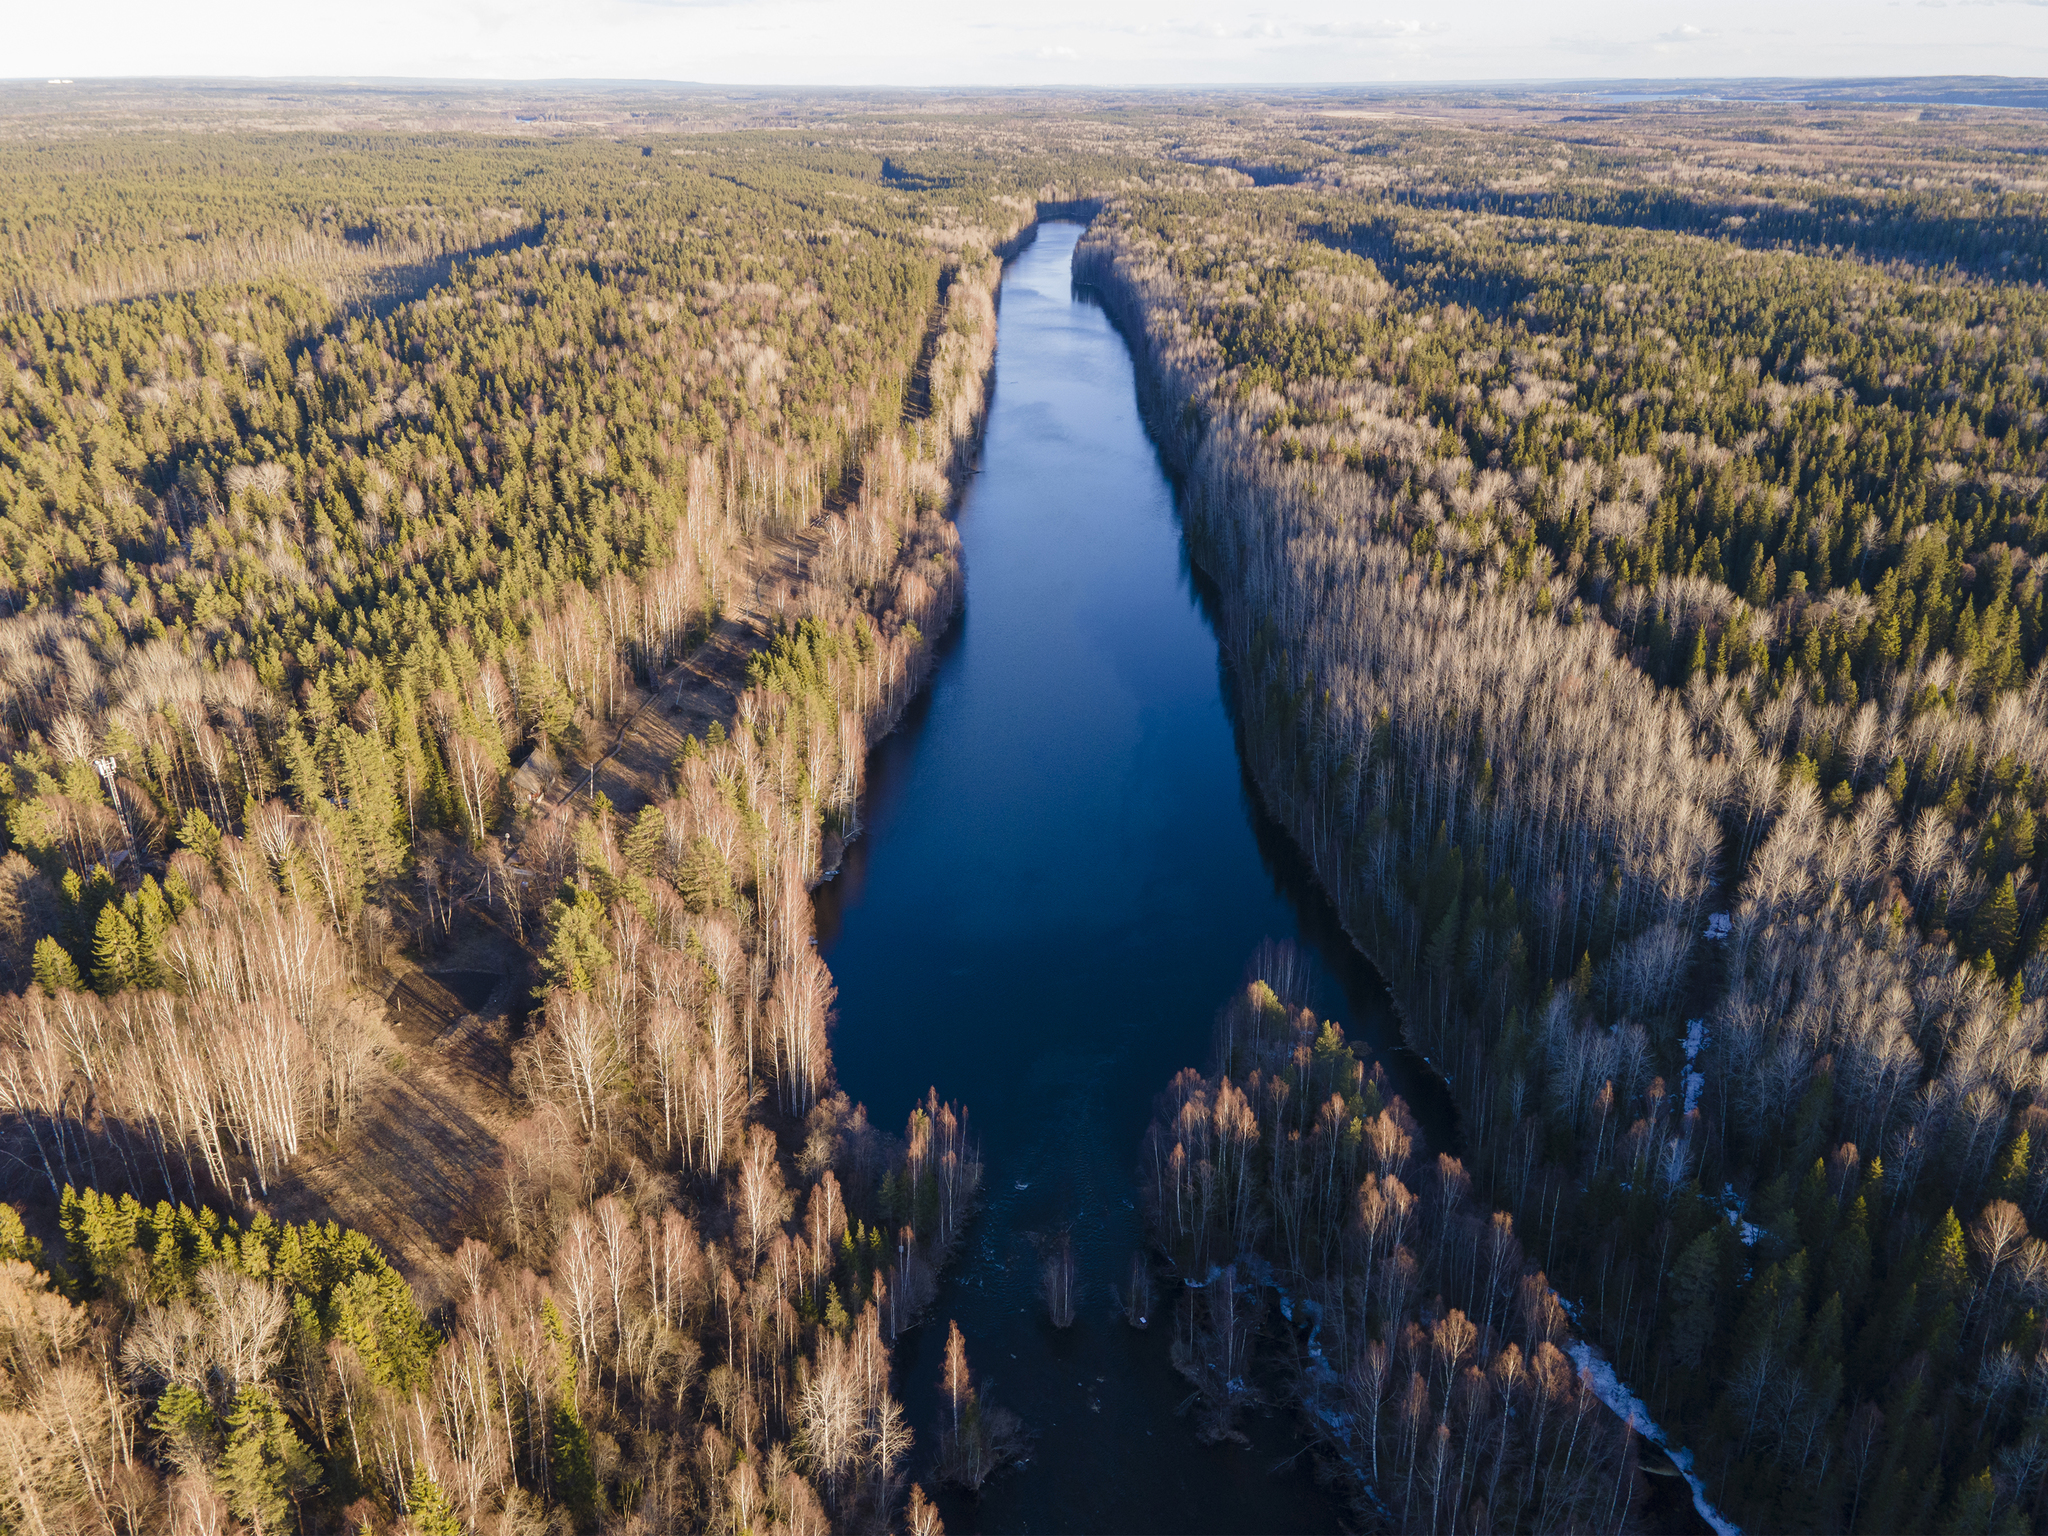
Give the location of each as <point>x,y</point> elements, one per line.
<point>295,581</point>
<point>1635,612</point>
<point>432,547</point>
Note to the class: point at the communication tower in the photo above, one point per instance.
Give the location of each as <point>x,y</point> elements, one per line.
<point>106,766</point>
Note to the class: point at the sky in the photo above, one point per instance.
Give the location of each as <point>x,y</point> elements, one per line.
<point>1024,42</point>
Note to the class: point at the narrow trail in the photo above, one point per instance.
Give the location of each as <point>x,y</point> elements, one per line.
<point>413,1167</point>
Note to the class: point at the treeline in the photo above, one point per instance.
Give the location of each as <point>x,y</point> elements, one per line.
<point>100,217</point>
<point>1786,1169</point>
<point>1432,1363</point>
<point>1945,227</point>
<point>1885,186</point>
<point>97,217</point>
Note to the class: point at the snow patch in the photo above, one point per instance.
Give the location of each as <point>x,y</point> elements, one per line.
<point>1717,925</point>
<point>1732,1203</point>
<point>1604,1384</point>
<point>1695,1080</point>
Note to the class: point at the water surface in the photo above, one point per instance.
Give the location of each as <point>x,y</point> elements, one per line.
<point>1063,876</point>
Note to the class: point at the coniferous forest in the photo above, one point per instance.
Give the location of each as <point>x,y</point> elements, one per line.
<point>457,555</point>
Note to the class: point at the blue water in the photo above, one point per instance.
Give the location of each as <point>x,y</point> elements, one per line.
<point>1062,878</point>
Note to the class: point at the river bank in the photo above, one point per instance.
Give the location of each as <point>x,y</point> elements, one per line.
<point>1064,871</point>
<point>1174,381</point>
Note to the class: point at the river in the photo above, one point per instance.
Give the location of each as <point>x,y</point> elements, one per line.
<point>1063,875</point>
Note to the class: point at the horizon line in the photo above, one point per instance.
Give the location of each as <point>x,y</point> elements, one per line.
<point>620,82</point>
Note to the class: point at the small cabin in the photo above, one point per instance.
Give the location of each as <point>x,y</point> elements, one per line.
<point>535,778</point>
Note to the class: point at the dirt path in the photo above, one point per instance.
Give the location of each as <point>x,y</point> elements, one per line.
<point>696,691</point>
<point>415,1168</point>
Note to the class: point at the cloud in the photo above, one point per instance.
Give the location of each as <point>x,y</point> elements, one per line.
<point>1048,42</point>
<point>1373,30</point>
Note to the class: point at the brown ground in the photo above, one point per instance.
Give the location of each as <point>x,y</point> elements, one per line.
<point>697,690</point>
<point>415,1169</point>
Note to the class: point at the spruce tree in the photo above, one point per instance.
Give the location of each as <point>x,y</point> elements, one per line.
<point>198,833</point>
<point>150,914</point>
<point>704,880</point>
<point>576,954</point>
<point>1995,928</point>
<point>1694,1311</point>
<point>1848,1269</point>
<point>55,970</point>
<point>575,1475</point>
<point>1945,1262</point>
<point>265,1468</point>
<point>2010,1181</point>
<point>115,953</point>
<point>189,1428</point>
<point>15,1242</point>
<point>643,841</point>
<point>432,1512</point>
<point>1696,663</point>
<point>1973,1509</point>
